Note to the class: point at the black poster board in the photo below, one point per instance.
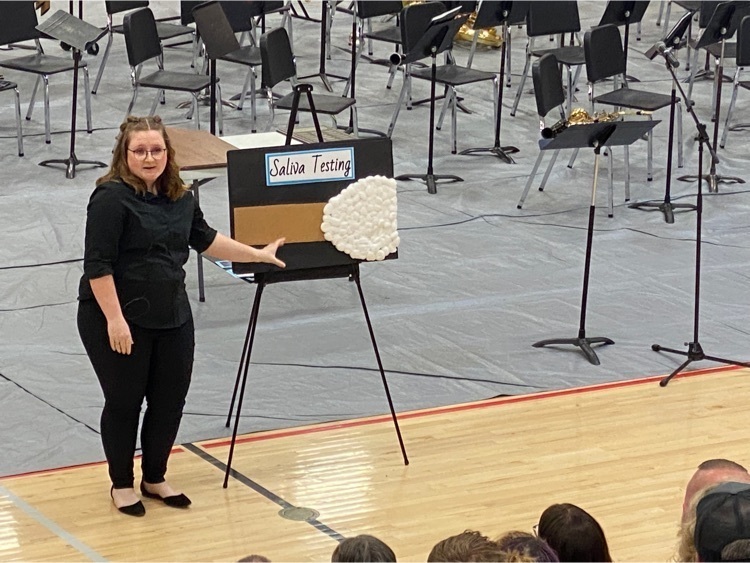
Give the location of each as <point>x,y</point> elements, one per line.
<point>249,187</point>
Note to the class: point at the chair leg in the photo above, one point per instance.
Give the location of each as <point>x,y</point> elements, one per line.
<point>47,135</point>
<point>220,109</point>
<point>735,87</point>
<point>129,111</point>
<point>548,171</point>
<point>667,14</point>
<point>446,105</point>
<point>523,81</point>
<point>19,129</point>
<point>573,157</point>
<point>391,75</point>
<point>397,109</point>
<point>611,190</point>
<point>661,13</point>
<point>355,121</point>
<point>530,179</point>
<point>89,126</point>
<point>105,56</point>
<point>253,104</point>
<point>245,86</point>
<point>626,152</point>
<point>195,112</point>
<point>271,115</point>
<point>454,111</point>
<point>156,102</point>
<point>691,80</point>
<point>33,97</point>
<point>650,159</point>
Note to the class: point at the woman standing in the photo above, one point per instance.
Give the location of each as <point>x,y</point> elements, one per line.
<point>134,316</point>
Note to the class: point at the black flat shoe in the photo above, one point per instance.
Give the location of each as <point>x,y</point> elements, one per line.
<point>175,501</point>
<point>136,509</point>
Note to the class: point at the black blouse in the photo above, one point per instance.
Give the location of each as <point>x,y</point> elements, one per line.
<point>143,241</point>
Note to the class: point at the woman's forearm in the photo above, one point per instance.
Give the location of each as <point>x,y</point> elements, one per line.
<point>225,248</point>
<point>106,296</point>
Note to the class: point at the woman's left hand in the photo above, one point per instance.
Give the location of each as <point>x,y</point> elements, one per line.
<point>269,252</point>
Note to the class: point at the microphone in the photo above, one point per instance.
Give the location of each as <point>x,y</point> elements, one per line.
<point>661,48</point>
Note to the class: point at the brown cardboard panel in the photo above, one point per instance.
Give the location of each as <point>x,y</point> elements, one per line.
<point>263,224</point>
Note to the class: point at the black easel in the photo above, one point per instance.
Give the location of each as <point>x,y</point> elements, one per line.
<point>300,89</point>
<point>594,135</point>
<point>492,14</point>
<point>437,38</point>
<point>262,280</point>
<point>624,12</point>
<point>80,35</point>
<point>695,352</point>
<point>671,42</point>
<point>721,27</point>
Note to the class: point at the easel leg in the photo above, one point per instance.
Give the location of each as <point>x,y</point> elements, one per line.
<point>244,365</point>
<point>355,275</point>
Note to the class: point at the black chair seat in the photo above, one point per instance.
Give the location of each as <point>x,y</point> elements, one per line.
<point>182,81</point>
<point>41,64</point>
<point>453,75</point>
<point>570,55</point>
<point>248,55</point>
<point>634,99</point>
<point>730,50</point>
<point>329,105</point>
<point>7,85</point>
<point>165,30</point>
<point>388,35</point>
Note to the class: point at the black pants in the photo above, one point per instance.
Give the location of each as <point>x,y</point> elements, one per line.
<point>158,369</point>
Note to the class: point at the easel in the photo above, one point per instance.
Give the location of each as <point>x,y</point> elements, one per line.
<point>80,35</point>
<point>306,258</point>
<point>595,136</point>
<point>437,38</point>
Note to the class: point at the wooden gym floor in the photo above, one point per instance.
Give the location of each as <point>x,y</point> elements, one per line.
<point>623,451</point>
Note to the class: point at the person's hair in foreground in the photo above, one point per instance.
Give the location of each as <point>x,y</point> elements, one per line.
<point>525,547</point>
<point>362,548</point>
<point>468,546</point>
<point>573,533</point>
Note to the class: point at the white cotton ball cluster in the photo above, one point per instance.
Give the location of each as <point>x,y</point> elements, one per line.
<point>361,220</point>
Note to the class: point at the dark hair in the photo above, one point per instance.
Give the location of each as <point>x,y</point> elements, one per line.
<point>522,546</point>
<point>573,533</point>
<point>363,548</point>
<point>738,550</point>
<point>720,464</point>
<point>467,546</point>
<point>254,559</point>
<point>168,183</point>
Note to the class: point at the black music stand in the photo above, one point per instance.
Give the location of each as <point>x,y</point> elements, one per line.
<point>492,14</point>
<point>695,352</point>
<point>624,12</point>
<point>80,35</point>
<point>596,136</point>
<point>722,26</point>
<point>325,20</point>
<point>672,41</point>
<point>437,38</point>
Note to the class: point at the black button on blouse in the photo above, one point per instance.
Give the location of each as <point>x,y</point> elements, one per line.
<point>143,241</point>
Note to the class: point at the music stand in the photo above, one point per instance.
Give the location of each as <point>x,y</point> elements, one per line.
<point>437,38</point>
<point>80,35</point>
<point>695,352</point>
<point>721,26</point>
<point>672,41</point>
<point>326,20</point>
<point>596,136</point>
<point>624,12</point>
<point>492,14</point>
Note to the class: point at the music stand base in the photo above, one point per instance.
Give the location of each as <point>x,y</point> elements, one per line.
<point>503,153</point>
<point>431,179</point>
<point>694,353</point>
<point>70,164</point>
<point>583,343</point>
<point>713,180</point>
<point>666,207</point>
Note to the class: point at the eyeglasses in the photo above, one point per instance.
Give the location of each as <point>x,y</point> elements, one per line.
<point>156,153</point>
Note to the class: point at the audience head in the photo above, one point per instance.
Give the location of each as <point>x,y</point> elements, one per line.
<point>362,548</point>
<point>522,546</point>
<point>573,533</point>
<point>254,559</point>
<point>710,472</point>
<point>722,521</point>
<point>467,546</point>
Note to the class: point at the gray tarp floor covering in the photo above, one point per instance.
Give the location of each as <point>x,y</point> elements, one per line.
<point>476,283</point>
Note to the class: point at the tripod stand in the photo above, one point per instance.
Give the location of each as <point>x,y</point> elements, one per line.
<point>721,27</point>
<point>437,38</point>
<point>492,14</point>
<point>594,135</point>
<point>80,35</point>
<point>671,41</point>
<point>695,352</point>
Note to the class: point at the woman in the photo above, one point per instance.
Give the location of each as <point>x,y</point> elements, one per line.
<point>573,533</point>
<point>134,317</point>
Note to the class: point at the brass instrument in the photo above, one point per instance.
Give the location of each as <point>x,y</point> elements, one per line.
<point>487,37</point>
<point>579,116</point>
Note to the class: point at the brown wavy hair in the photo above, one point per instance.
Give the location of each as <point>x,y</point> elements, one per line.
<point>168,184</point>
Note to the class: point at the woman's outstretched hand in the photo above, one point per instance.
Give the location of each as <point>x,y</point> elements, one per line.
<point>269,253</point>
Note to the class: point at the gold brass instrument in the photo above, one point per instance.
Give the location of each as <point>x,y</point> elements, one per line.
<point>579,116</point>
<point>487,37</point>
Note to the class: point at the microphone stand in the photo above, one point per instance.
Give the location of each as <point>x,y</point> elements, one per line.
<point>695,352</point>
<point>667,207</point>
